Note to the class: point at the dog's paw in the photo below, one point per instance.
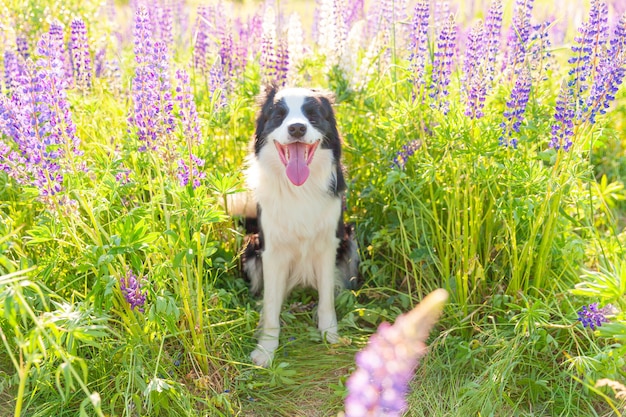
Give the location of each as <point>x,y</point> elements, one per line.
<point>331,337</point>
<point>261,356</point>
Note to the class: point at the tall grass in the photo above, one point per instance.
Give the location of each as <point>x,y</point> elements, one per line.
<point>522,233</point>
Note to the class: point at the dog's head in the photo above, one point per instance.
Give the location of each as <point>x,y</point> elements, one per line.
<point>296,123</point>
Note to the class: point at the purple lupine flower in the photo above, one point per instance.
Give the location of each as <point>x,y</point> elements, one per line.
<point>201,44</point>
<point>217,84</point>
<point>164,26</point>
<point>187,109</point>
<point>591,316</point>
<point>188,172</point>
<point>492,31</point>
<point>81,59</point>
<point>441,13</point>
<point>539,49</point>
<point>592,37</point>
<point>442,65</point>
<point>123,176</point>
<point>51,52</point>
<point>516,106</point>
<point>30,118</point>
<point>418,43</point>
<point>242,44</point>
<point>160,66</point>
<point>100,62</point>
<point>406,152</point>
<point>132,289</point>
<point>142,36</point>
<point>605,85</point>
<point>254,33</point>
<point>281,66</point>
<point>519,34</point>
<point>379,385</point>
<point>384,17</point>
<point>353,12</point>
<point>52,77</point>
<point>12,70</point>
<point>609,75</point>
<point>618,42</point>
<point>151,117</point>
<point>474,79</point>
<point>565,113</point>
<point>22,47</point>
<point>227,57</point>
<point>57,53</point>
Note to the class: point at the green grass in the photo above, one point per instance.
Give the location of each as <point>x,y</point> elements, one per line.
<point>521,238</point>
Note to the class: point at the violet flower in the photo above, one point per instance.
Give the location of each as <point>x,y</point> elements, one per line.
<point>591,316</point>
<point>352,12</point>
<point>131,288</point>
<point>151,116</point>
<point>164,25</point>
<point>188,172</point>
<point>492,32</point>
<point>406,152</point>
<point>217,84</point>
<point>12,70</point>
<point>418,42</point>
<point>539,49</point>
<point>474,78</point>
<point>34,119</point>
<point>227,57</point>
<point>442,65</point>
<point>516,106</point>
<point>379,385</point>
<point>201,44</point>
<point>187,109</point>
<point>565,113</point>
<point>81,59</point>
<point>123,176</point>
<point>519,35</point>
<point>22,47</point>
<point>592,37</point>
<point>610,74</point>
<point>37,119</point>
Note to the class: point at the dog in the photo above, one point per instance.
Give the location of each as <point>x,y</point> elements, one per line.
<point>296,198</point>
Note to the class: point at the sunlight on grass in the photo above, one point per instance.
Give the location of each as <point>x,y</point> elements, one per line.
<point>483,158</point>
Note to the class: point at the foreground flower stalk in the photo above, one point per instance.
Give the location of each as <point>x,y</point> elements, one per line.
<point>385,367</point>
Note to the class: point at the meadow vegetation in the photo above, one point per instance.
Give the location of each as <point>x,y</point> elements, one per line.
<point>484,147</point>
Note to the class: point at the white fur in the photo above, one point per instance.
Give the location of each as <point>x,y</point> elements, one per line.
<point>299,229</point>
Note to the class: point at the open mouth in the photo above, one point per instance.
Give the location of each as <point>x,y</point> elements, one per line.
<point>296,156</point>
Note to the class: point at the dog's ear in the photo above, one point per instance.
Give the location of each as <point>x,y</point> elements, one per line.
<point>328,100</point>
<point>266,102</point>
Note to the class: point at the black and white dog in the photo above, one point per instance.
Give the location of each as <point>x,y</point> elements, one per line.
<point>296,186</point>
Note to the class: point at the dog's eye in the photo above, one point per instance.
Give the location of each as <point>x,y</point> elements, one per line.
<point>312,115</point>
<point>280,112</point>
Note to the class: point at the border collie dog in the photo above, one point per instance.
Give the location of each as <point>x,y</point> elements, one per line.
<point>296,186</point>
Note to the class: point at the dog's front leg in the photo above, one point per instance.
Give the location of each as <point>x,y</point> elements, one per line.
<point>275,271</point>
<point>327,317</point>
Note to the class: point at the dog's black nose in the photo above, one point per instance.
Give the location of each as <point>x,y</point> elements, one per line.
<point>297,130</point>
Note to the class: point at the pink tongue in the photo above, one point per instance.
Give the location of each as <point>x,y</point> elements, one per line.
<point>297,168</point>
